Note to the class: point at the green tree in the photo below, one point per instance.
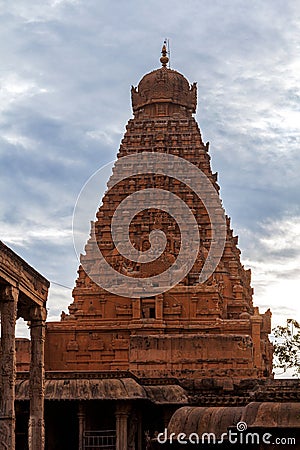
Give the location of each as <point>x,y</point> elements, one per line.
<point>287,347</point>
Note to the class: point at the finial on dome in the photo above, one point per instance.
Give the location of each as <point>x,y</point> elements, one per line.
<point>164,59</point>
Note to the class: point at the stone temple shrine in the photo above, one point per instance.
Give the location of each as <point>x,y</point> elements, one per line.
<point>139,356</point>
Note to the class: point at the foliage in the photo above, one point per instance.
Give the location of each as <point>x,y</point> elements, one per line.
<point>287,346</point>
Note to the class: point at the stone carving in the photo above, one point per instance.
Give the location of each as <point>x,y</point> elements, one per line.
<point>173,309</point>
<point>72,346</point>
<point>96,343</point>
<point>123,310</point>
<point>133,425</point>
<point>5,435</point>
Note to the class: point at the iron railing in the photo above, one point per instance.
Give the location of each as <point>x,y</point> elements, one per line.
<point>99,440</point>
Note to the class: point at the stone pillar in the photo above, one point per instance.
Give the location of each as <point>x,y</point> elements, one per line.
<point>159,307</point>
<point>8,302</point>
<point>256,322</point>
<point>36,427</point>
<point>122,413</point>
<point>132,431</point>
<point>81,424</point>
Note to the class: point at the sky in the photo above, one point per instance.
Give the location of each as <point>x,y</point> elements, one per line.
<point>66,71</point>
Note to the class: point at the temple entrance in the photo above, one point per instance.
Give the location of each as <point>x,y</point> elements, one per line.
<point>61,425</point>
<point>99,429</point>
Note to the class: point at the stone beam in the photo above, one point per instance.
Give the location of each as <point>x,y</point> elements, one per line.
<point>14,271</point>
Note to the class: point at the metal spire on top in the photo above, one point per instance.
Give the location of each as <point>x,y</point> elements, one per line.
<point>164,59</point>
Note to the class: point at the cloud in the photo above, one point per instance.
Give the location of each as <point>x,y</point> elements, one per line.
<point>274,258</point>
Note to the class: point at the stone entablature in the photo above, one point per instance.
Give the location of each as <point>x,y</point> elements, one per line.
<point>14,271</point>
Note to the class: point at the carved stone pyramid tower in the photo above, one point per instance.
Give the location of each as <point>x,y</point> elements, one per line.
<point>153,326</point>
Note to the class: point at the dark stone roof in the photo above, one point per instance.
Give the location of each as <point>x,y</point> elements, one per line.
<point>217,420</point>
<point>104,389</point>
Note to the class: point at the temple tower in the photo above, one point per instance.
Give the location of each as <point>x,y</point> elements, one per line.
<point>192,330</point>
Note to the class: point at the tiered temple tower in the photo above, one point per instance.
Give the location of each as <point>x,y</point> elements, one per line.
<point>193,330</point>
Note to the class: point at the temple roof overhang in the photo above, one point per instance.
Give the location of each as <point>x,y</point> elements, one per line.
<point>105,389</point>
<point>218,420</point>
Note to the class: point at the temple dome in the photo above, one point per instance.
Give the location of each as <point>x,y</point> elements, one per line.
<point>164,85</point>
